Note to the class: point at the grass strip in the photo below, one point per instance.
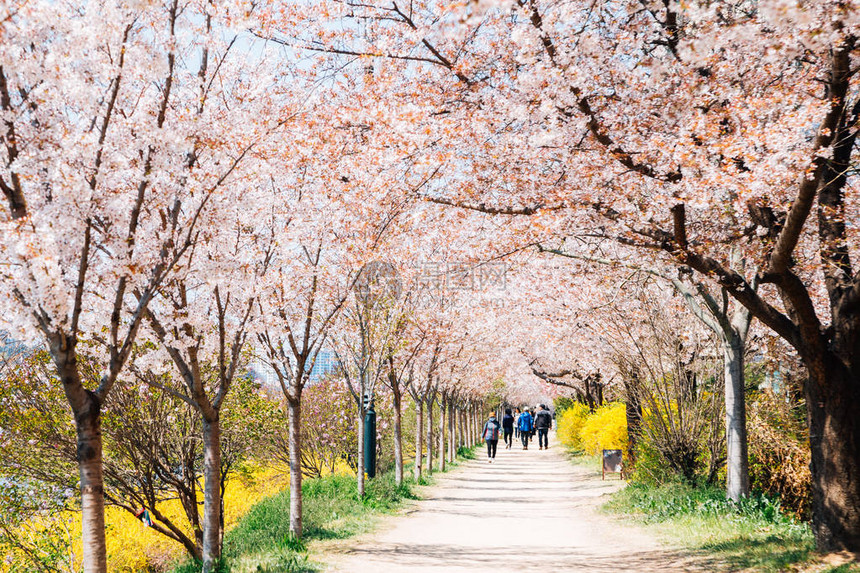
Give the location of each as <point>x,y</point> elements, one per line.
<point>332,510</point>
<point>752,534</point>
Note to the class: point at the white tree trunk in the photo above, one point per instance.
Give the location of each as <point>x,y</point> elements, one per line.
<point>419,438</point>
<point>460,433</point>
<point>451,437</point>
<point>430,443</point>
<point>473,432</point>
<point>360,462</point>
<point>295,438</point>
<point>211,493</point>
<point>442,454</point>
<point>398,435</point>
<point>737,461</point>
<point>89,457</point>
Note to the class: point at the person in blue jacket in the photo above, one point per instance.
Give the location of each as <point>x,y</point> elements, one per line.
<point>525,426</point>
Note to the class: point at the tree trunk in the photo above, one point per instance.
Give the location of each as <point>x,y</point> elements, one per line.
<point>633,412</point>
<point>467,413</point>
<point>430,441</point>
<point>419,438</point>
<point>455,422</point>
<point>451,426</point>
<point>461,427</point>
<point>294,408</point>
<point>89,456</point>
<point>211,492</point>
<point>589,398</point>
<point>398,433</point>
<point>833,401</point>
<point>737,461</point>
<point>360,462</point>
<point>442,414</point>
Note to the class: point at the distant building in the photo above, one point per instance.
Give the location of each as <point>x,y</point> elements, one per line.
<point>326,363</point>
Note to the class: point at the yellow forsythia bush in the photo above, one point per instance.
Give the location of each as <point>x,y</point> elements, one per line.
<point>570,423</point>
<point>605,429</point>
<point>134,547</point>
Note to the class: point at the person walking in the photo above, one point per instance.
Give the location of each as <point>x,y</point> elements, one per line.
<point>531,412</point>
<point>543,422</point>
<point>525,426</point>
<point>491,436</point>
<point>517,424</point>
<point>508,428</point>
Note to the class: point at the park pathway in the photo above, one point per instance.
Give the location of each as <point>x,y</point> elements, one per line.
<point>529,511</point>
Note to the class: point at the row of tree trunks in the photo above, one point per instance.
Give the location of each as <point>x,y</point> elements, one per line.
<point>458,427</point>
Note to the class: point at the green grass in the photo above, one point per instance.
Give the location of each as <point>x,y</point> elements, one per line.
<point>333,510</point>
<point>466,453</point>
<point>753,534</point>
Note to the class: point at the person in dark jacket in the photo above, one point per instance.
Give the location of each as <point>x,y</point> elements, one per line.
<point>508,428</point>
<point>525,426</point>
<point>491,436</point>
<point>543,422</point>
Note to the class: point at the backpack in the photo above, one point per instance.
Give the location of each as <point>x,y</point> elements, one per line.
<point>543,419</point>
<point>491,431</point>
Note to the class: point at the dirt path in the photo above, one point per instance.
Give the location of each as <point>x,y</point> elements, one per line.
<point>529,511</point>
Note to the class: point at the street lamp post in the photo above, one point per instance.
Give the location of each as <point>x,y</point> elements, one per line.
<point>370,441</point>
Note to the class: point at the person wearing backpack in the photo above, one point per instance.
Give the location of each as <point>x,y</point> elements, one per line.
<point>525,426</point>
<point>508,428</point>
<point>543,423</point>
<point>491,436</point>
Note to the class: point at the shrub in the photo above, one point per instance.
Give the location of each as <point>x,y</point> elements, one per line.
<point>779,453</point>
<point>569,423</point>
<point>605,429</point>
<point>651,467</point>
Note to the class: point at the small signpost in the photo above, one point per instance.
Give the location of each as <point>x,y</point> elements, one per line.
<point>613,462</point>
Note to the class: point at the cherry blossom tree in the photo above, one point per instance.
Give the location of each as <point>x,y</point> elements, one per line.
<point>116,143</point>
<point>312,282</point>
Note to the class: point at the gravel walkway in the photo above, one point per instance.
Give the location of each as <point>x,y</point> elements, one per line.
<point>529,511</point>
